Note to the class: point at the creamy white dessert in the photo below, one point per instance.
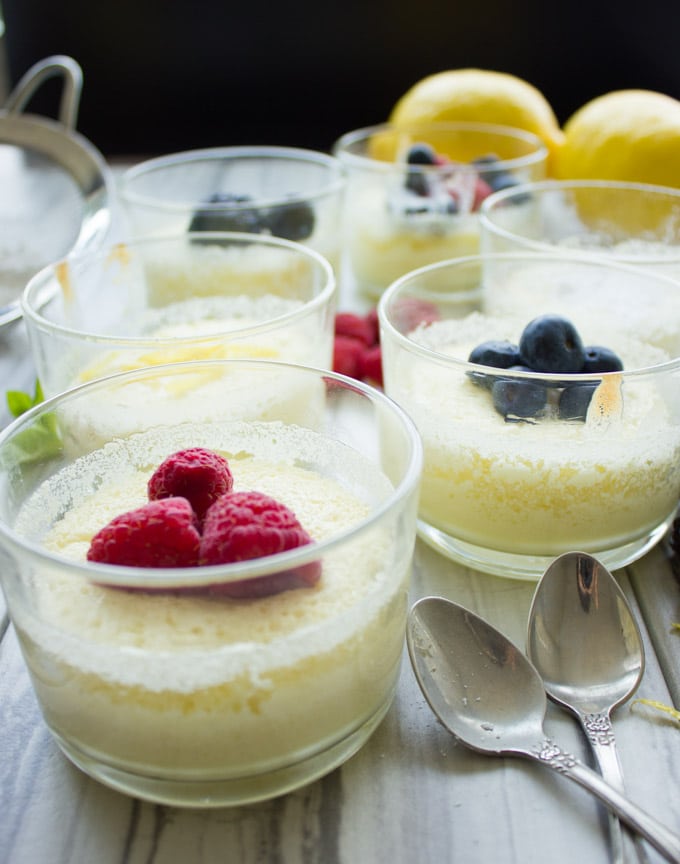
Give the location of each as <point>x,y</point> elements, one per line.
<point>208,269</point>
<point>383,245</point>
<point>242,392</point>
<point>215,328</point>
<point>208,688</point>
<point>547,485</point>
<point>163,304</point>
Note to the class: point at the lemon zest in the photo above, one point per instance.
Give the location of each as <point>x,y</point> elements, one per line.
<point>659,706</point>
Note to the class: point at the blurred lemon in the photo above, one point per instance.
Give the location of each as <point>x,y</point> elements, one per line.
<point>629,135</point>
<point>481,96</point>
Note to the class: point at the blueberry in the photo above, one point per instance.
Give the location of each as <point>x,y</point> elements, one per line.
<point>574,401</point>
<point>417,183</point>
<point>599,359</point>
<point>497,353</point>
<point>550,343</point>
<point>294,221</point>
<point>249,220</point>
<point>518,397</point>
<point>501,180</point>
<point>421,154</point>
<point>496,177</point>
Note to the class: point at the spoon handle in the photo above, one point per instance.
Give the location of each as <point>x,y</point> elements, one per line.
<point>600,734</point>
<point>663,839</point>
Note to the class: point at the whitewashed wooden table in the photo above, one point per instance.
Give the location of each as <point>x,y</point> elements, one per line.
<point>412,795</point>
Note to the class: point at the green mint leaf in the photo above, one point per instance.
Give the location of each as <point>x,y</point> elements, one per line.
<point>18,402</point>
<point>40,441</point>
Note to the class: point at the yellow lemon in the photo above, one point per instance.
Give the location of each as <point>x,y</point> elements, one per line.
<point>481,96</point>
<point>629,135</point>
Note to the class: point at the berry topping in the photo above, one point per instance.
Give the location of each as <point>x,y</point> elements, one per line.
<point>356,326</point>
<point>495,177</point>
<point>356,348</point>
<point>374,323</point>
<point>231,216</point>
<point>599,359</point>
<point>201,476</point>
<point>550,343</point>
<point>370,365</point>
<point>574,401</point>
<point>417,183</point>
<point>518,397</point>
<point>294,221</point>
<point>482,191</point>
<point>411,312</point>
<point>500,354</point>
<point>347,354</point>
<point>159,534</point>
<point>421,154</point>
<point>246,525</point>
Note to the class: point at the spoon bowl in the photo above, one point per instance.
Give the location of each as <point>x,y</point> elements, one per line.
<point>582,636</point>
<point>490,696</point>
<point>584,641</point>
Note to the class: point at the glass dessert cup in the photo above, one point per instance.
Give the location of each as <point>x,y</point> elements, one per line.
<point>632,223</point>
<point>402,213</point>
<point>203,295</point>
<point>509,485</point>
<point>155,683</point>
<point>284,191</point>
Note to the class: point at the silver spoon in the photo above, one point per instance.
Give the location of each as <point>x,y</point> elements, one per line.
<point>488,694</point>
<point>585,643</point>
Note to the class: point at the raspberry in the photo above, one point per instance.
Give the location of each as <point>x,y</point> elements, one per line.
<point>159,534</point>
<point>246,525</point>
<point>201,476</point>
<point>409,312</point>
<point>372,318</point>
<point>356,326</point>
<point>347,353</point>
<point>371,365</point>
<point>482,191</point>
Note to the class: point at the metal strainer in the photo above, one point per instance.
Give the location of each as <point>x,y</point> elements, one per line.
<point>55,187</point>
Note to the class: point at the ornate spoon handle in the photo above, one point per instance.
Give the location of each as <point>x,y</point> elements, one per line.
<point>663,839</point>
<point>600,734</point>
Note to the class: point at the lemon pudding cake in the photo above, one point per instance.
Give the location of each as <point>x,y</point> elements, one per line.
<point>538,482</point>
<point>157,679</point>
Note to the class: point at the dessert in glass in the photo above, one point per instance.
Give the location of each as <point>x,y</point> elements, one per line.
<point>281,191</point>
<point>632,223</point>
<point>413,193</point>
<point>189,296</point>
<point>170,676</point>
<point>546,391</point>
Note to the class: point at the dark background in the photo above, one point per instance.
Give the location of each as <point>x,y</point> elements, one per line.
<point>165,75</point>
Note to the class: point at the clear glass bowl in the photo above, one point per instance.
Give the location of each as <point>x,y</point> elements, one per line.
<point>151,681</point>
<point>632,223</point>
<point>583,461</point>
<point>189,296</point>
<point>284,191</point>
<point>401,215</point>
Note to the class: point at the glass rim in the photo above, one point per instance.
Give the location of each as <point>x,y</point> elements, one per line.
<point>539,187</point>
<point>130,176</point>
<point>178,577</point>
<point>536,156</point>
<point>38,292</point>
<point>478,260</point>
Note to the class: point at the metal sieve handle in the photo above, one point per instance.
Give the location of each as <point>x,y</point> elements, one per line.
<point>57,64</point>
